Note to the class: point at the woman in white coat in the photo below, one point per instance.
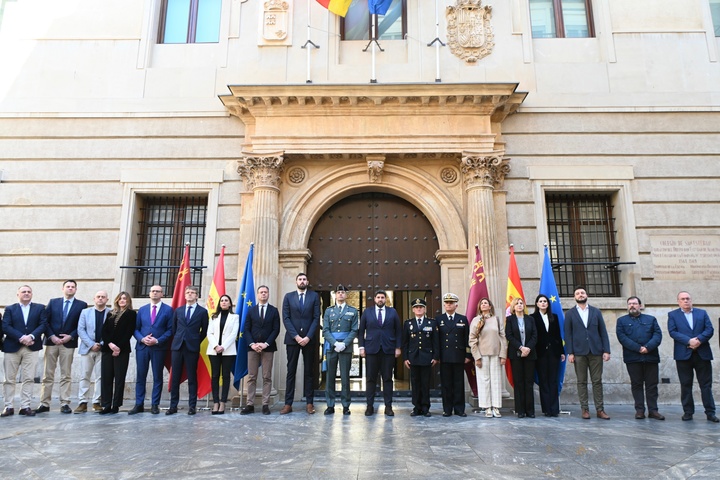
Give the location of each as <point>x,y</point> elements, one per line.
<point>222,349</point>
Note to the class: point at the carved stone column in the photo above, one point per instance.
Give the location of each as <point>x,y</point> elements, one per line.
<point>483,173</point>
<point>262,174</point>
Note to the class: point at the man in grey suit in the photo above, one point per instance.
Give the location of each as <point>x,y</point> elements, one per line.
<point>587,346</point>
<point>301,317</point>
<point>90,335</point>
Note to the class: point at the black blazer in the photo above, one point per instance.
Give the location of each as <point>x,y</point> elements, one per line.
<point>265,331</point>
<point>549,342</point>
<point>303,321</point>
<point>512,333</point>
<point>121,334</point>
<point>192,331</point>
<point>56,326</point>
<point>374,338</point>
<point>454,338</point>
<point>13,326</point>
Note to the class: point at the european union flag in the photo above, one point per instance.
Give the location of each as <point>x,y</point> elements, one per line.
<point>245,301</point>
<point>379,7</point>
<point>548,287</point>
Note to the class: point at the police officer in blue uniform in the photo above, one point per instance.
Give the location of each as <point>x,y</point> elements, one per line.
<point>421,352</point>
<point>454,331</point>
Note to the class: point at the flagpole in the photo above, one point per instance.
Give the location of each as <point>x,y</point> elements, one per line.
<point>308,43</point>
<point>373,78</point>
<point>437,44</point>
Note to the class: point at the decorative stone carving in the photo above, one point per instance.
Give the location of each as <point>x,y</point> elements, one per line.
<point>296,175</point>
<point>482,170</point>
<point>470,36</point>
<point>375,168</point>
<point>275,22</point>
<point>261,170</point>
<point>448,175</point>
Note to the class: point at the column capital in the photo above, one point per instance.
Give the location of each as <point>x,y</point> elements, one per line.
<point>483,169</point>
<point>262,170</point>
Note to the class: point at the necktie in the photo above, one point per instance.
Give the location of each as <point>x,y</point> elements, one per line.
<point>450,318</point>
<point>66,309</point>
<point>380,320</point>
<point>262,313</point>
<point>153,315</point>
<point>98,326</point>
<point>302,300</point>
<point>188,313</point>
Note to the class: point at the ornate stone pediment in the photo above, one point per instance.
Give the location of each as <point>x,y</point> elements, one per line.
<point>470,36</point>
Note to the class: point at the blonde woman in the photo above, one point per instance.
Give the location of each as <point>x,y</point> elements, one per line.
<point>489,349</point>
<point>117,331</point>
<point>221,351</point>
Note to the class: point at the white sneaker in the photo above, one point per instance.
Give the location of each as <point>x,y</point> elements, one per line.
<point>488,413</point>
<point>496,412</point>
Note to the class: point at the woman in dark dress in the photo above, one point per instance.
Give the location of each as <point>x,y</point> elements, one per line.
<point>522,338</point>
<point>117,331</point>
<point>550,353</point>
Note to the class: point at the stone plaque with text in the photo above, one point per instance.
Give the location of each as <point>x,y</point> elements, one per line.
<point>686,257</point>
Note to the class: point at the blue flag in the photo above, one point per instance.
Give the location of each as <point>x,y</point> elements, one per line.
<point>245,301</point>
<point>379,7</point>
<point>548,287</point>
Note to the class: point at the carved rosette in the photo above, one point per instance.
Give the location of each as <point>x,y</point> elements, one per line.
<point>484,170</point>
<point>261,171</point>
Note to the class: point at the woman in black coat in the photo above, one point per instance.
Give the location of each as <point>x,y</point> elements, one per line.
<point>117,331</point>
<point>521,335</point>
<point>550,353</point>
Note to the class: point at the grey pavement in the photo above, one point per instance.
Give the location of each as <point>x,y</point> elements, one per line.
<point>90,446</point>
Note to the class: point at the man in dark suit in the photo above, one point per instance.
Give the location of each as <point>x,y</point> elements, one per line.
<point>23,324</point>
<point>421,351</point>
<point>454,331</point>
<point>691,329</point>
<point>61,340</point>
<point>380,342</point>
<point>262,327</point>
<point>301,317</point>
<point>189,329</point>
<point>152,332</point>
<point>587,346</point>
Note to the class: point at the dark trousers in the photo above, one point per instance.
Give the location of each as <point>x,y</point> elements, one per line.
<point>703,371</point>
<point>293,355</point>
<point>220,365</point>
<point>644,385</point>
<point>452,379</point>
<point>344,359</point>
<point>113,371</point>
<point>145,358</point>
<point>523,371</point>
<point>184,358</point>
<point>420,387</point>
<point>548,367</point>
<point>383,364</point>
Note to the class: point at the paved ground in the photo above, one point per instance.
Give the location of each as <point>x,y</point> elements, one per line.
<point>89,446</point>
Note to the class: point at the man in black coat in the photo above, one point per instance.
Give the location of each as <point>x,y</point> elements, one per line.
<point>421,351</point>
<point>454,333</point>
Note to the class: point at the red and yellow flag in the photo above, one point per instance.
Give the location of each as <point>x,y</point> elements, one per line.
<point>338,7</point>
<point>217,290</point>
<point>514,290</point>
<point>178,299</point>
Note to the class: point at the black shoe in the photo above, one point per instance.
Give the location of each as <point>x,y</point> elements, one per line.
<point>192,411</point>
<point>346,410</point>
<point>171,411</point>
<point>329,411</point>
<point>369,411</point>
<point>531,415</point>
<point>42,409</point>
<point>27,412</point>
<point>7,412</point>
<point>427,414</point>
<point>415,412</point>
<point>713,418</point>
<point>687,416</point>
<point>447,414</point>
<point>114,409</point>
<point>136,409</point>
<point>389,412</point>
<point>521,415</point>
<point>247,409</point>
<point>105,411</point>
<point>155,409</point>
<point>461,414</point>
<point>65,409</point>
<point>266,410</point>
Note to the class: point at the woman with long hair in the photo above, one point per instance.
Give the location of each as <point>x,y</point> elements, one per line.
<point>489,349</point>
<point>117,331</point>
<point>522,340</point>
<point>550,354</point>
<point>222,350</point>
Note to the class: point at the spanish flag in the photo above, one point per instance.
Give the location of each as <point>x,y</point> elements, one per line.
<point>338,7</point>
<point>217,290</point>
<point>514,290</point>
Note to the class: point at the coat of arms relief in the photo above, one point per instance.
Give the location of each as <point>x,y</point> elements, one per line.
<point>470,36</point>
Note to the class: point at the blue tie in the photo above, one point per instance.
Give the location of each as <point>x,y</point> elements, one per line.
<point>187,314</point>
<point>302,300</point>
<point>66,309</point>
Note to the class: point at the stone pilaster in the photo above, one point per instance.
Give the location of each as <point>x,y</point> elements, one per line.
<point>483,173</point>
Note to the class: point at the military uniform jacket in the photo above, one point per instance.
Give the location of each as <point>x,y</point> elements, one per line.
<point>345,323</point>
<point>421,345</point>
<point>454,337</point>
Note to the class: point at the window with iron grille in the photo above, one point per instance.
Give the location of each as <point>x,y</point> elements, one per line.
<point>166,224</point>
<point>581,229</point>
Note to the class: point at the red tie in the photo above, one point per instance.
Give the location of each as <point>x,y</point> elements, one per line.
<point>153,314</point>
